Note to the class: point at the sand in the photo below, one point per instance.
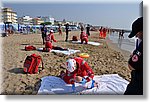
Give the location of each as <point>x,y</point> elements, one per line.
<point>104,59</point>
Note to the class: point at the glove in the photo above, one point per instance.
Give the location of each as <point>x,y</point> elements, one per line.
<point>83,81</point>
<point>91,84</point>
<point>73,87</point>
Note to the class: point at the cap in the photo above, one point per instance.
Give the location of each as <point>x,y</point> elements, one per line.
<point>137,26</point>
<point>51,31</point>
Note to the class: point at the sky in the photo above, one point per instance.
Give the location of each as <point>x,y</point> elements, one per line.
<point>110,14</point>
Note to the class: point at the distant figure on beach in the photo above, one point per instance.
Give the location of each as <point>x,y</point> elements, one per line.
<point>82,28</point>
<point>88,29</point>
<point>121,34</point>
<point>135,63</point>
<point>77,70</point>
<point>43,31</point>
<point>59,29</point>
<point>104,33</point>
<point>84,37</point>
<point>101,32</point>
<point>67,31</point>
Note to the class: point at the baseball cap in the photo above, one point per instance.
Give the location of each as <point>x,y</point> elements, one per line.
<point>137,26</point>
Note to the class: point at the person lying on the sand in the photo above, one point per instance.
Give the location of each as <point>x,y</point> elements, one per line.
<point>78,71</point>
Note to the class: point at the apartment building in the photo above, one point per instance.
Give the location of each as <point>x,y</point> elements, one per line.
<point>9,16</point>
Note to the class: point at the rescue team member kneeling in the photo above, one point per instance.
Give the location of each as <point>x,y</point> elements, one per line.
<point>48,45</point>
<point>49,38</point>
<point>84,37</point>
<point>78,71</point>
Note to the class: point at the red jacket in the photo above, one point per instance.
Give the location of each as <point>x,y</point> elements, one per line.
<point>83,35</point>
<point>83,70</point>
<point>50,37</point>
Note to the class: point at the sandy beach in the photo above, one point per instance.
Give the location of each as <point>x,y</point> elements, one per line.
<point>106,58</point>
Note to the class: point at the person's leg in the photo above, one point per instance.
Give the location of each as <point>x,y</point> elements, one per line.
<point>66,36</point>
<point>43,38</point>
<point>86,41</point>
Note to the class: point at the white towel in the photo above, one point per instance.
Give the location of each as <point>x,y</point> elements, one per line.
<point>69,52</point>
<point>66,52</point>
<point>107,84</point>
<point>89,42</point>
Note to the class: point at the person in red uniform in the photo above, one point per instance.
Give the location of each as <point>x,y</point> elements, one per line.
<point>83,37</point>
<point>104,33</point>
<point>49,38</point>
<point>101,32</point>
<point>78,71</point>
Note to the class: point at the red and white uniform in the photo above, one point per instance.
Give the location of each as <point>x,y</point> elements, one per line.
<point>83,70</point>
<point>49,38</point>
<point>104,32</point>
<point>84,37</point>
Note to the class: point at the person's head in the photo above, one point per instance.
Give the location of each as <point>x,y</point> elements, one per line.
<point>71,65</point>
<point>51,31</point>
<point>137,28</point>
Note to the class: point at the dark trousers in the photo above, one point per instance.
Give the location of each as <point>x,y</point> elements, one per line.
<point>135,87</point>
<point>66,36</point>
<point>43,37</point>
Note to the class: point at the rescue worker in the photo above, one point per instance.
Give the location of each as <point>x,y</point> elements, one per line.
<point>101,32</point>
<point>135,63</point>
<point>104,33</point>
<point>49,38</point>
<point>83,37</point>
<point>78,71</point>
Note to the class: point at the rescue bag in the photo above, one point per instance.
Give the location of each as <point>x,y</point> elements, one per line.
<point>29,48</point>
<point>31,64</point>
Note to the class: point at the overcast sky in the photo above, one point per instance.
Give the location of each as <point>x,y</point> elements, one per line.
<point>111,14</point>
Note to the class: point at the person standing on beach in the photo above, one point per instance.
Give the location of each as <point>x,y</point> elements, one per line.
<point>43,31</point>
<point>135,63</point>
<point>88,29</point>
<point>59,29</point>
<point>101,32</point>
<point>67,31</point>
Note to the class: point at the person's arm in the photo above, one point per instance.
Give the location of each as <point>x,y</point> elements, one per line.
<point>53,38</point>
<point>90,73</point>
<point>136,60</point>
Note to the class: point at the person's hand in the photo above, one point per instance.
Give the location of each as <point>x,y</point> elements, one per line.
<point>78,79</point>
<point>83,81</point>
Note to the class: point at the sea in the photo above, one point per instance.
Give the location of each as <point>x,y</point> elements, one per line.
<point>125,43</point>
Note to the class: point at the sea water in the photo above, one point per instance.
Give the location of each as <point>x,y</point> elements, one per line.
<point>124,43</point>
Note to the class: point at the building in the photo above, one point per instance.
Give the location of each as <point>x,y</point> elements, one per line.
<point>37,21</point>
<point>48,19</point>
<point>25,20</point>
<point>9,16</point>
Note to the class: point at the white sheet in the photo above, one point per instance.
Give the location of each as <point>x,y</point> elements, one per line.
<point>71,51</point>
<point>107,84</point>
<point>89,42</point>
